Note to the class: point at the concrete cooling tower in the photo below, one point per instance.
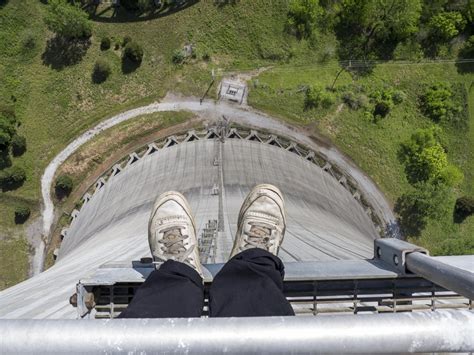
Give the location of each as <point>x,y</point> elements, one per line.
<point>326,219</point>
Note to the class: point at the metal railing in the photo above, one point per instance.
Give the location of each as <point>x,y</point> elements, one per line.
<point>442,331</point>
<point>400,278</point>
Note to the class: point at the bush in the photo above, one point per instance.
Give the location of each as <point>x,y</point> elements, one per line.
<point>12,178</point>
<point>178,56</point>
<point>101,71</point>
<point>316,96</point>
<point>63,186</point>
<point>463,208</point>
<point>354,101</point>
<point>22,214</point>
<point>383,102</point>
<point>68,20</point>
<point>438,104</point>
<point>18,144</point>
<point>133,52</point>
<point>105,43</point>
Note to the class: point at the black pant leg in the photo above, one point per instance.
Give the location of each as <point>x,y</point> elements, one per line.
<point>174,290</point>
<point>250,284</point>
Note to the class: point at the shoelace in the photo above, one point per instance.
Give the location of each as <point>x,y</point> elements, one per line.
<point>173,244</point>
<point>259,236</point>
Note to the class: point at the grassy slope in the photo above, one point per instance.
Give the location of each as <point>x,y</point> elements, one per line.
<point>57,105</point>
<point>374,146</point>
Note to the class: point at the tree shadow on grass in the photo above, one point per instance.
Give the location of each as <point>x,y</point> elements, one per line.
<point>5,160</point>
<point>411,220</point>
<point>3,3</point>
<point>129,66</point>
<point>62,52</point>
<point>121,14</point>
<point>464,67</point>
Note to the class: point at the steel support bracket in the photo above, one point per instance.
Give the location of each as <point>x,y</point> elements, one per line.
<point>393,252</point>
<point>85,300</point>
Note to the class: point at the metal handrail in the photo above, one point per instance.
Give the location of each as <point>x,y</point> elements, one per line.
<point>441,331</point>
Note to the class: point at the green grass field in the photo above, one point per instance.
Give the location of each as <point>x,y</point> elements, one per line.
<point>374,146</point>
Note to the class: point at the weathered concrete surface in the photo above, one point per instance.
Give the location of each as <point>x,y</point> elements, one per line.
<point>324,221</point>
<point>209,110</point>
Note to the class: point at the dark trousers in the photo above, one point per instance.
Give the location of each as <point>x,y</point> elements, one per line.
<point>249,284</point>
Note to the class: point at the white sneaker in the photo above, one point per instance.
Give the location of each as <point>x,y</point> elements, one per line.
<point>172,231</point>
<point>262,220</point>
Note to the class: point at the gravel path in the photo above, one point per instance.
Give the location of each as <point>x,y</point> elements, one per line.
<point>209,110</point>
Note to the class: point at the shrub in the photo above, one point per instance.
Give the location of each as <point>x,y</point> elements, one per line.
<point>12,178</point>
<point>22,214</point>
<point>383,102</point>
<point>133,52</point>
<point>438,104</point>
<point>105,43</point>
<point>67,20</point>
<point>355,101</point>
<point>63,186</point>
<point>178,56</point>
<point>398,97</point>
<point>18,145</point>
<point>463,208</point>
<point>101,71</point>
<point>316,96</point>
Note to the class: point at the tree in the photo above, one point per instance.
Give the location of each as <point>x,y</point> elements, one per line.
<point>303,16</point>
<point>438,103</point>
<point>426,161</point>
<point>12,178</point>
<point>63,186</point>
<point>446,25</point>
<point>423,202</point>
<point>468,49</point>
<point>373,28</point>
<point>68,20</point>
<point>133,52</point>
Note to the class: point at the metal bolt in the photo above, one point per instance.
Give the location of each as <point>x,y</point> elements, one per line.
<point>395,259</point>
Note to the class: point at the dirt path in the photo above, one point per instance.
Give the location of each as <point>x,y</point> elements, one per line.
<point>209,110</point>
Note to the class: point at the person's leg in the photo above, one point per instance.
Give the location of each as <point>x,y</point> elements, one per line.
<point>176,288</point>
<point>251,283</point>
